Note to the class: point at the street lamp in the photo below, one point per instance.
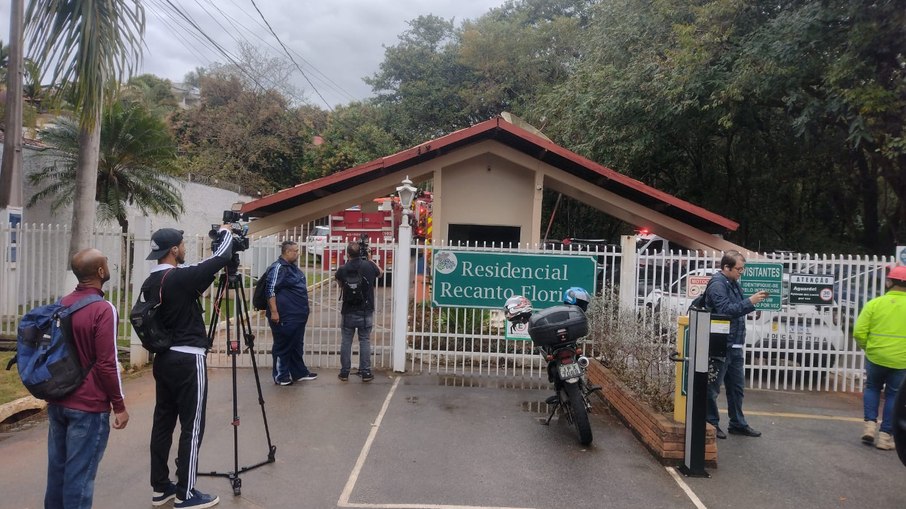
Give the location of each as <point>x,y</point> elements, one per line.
<point>400,280</point>
<point>406,193</point>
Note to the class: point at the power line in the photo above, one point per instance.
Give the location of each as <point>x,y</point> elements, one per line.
<point>290,55</point>
<point>318,74</point>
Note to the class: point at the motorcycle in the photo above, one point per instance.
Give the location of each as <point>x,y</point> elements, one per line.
<point>555,332</point>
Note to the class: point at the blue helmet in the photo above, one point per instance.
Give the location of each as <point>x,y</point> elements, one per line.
<point>576,296</point>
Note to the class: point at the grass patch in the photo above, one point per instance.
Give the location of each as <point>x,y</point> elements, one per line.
<point>11,387</point>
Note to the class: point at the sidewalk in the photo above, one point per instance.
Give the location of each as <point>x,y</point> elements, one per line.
<point>440,442</point>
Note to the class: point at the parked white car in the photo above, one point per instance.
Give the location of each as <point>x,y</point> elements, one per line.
<point>316,241</point>
<point>806,335</point>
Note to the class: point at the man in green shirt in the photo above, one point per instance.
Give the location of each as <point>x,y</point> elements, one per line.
<point>880,330</point>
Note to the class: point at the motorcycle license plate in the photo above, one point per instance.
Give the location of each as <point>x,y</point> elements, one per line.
<point>568,371</point>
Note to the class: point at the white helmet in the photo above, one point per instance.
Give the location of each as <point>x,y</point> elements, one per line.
<point>518,309</point>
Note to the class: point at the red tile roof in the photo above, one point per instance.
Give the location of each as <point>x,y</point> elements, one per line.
<point>504,132</point>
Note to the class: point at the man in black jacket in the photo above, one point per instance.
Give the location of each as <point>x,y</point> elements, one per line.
<point>358,313</point>
<point>180,374</point>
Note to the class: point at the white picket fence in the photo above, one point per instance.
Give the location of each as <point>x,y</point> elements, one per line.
<point>817,351</point>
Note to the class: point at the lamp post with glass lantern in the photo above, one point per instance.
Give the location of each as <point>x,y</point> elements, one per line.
<point>406,194</point>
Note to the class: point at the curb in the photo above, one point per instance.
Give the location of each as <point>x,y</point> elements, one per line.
<point>7,410</point>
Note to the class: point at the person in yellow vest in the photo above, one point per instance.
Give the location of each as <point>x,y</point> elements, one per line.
<point>880,330</point>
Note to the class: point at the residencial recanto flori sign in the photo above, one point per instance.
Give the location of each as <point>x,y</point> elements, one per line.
<point>487,280</point>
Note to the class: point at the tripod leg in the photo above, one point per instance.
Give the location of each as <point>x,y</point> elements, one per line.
<point>246,324</point>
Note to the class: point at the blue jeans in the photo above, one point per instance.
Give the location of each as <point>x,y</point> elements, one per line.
<point>75,444</point>
<point>876,378</point>
<point>732,374</point>
<point>363,322</point>
<point>288,347</point>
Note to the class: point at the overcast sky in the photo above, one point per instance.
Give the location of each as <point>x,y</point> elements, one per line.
<point>341,39</point>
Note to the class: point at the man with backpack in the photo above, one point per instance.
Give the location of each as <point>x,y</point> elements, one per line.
<point>180,372</point>
<point>287,313</point>
<point>79,423</point>
<point>357,279</point>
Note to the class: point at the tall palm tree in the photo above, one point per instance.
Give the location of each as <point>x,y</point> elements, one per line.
<point>93,45</point>
<point>136,165</point>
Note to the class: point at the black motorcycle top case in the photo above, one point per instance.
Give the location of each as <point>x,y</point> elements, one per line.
<point>546,326</point>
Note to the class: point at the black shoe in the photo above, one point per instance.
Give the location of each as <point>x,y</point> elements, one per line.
<point>720,433</point>
<point>366,376</point>
<point>747,431</point>
<point>343,376</point>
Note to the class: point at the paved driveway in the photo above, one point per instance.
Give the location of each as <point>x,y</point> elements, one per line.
<point>453,443</point>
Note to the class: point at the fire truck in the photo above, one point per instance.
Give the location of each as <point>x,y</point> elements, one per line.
<point>378,222</point>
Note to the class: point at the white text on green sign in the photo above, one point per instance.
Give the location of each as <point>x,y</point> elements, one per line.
<point>487,280</point>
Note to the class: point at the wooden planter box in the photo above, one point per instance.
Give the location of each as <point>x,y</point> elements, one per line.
<point>663,436</point>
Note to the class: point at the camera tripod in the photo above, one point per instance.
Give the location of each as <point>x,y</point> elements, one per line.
<point>230,279</point>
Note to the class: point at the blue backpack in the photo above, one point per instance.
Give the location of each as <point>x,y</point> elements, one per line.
<point>45,352</point>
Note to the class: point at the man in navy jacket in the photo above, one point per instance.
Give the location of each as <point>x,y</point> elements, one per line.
<point>287,312</point>
<point>724,296</point>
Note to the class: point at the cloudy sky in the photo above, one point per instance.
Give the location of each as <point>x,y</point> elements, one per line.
<point>336,42</point>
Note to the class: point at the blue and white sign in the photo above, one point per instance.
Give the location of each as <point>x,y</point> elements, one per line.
<point>901,255</point>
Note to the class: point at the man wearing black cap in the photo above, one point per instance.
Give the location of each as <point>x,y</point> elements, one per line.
<point>180,374</point>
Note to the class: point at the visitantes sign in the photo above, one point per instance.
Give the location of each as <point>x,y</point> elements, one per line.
<point>764,276</point>
<point>817,289</point>
<point>487,280</point>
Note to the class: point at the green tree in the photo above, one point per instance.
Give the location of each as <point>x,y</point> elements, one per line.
<point>252,138</point>
<point>136,165</point>
<point>419,82</point>
<point>93,45</point>
<point>154,93</point>
<point>355,134</point>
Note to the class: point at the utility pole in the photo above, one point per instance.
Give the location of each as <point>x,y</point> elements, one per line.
<point>11,171</point>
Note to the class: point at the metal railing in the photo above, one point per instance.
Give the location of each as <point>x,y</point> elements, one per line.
<point>806,348</point>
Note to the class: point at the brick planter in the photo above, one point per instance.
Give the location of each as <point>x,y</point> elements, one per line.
<point>663,436</point>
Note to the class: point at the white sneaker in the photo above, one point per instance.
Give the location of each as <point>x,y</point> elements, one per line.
<point>885,442</point>
<point>869,432</point>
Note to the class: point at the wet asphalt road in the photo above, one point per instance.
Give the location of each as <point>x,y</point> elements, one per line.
<point>428,441</point>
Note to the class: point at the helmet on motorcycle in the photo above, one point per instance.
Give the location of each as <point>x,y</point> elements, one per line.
<point>576,296</point>
<point>518,309</point>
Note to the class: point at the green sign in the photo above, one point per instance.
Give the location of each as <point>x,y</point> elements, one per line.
<point>767,277</point>
<point>486,280</point>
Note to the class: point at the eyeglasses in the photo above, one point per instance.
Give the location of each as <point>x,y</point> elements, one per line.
<point>740,269</point>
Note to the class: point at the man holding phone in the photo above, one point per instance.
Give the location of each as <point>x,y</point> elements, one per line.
<point>724,297</point>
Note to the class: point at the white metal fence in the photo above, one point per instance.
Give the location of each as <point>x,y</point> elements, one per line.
<point>799,347</point>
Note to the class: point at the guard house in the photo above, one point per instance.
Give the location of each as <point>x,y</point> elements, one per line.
<point>488,181</point>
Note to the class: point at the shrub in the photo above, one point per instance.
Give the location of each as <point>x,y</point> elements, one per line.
<point>636,349</point>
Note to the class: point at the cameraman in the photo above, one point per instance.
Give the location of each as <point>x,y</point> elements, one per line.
<point>287,312</point>
<point>357,316</point>
<point>180,374</point>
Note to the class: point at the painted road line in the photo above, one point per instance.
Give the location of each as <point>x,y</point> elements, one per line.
<point>803,416</point>
<point>363,455</point>
<point>686,489</point>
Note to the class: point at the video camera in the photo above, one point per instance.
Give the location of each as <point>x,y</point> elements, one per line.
<point>238,230</point>
<point>363,246</point>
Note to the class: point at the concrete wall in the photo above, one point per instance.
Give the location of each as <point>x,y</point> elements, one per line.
<point>204,205</point>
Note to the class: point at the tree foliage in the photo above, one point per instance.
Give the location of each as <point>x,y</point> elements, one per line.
<point>252,138</point>
<point>136,165</point>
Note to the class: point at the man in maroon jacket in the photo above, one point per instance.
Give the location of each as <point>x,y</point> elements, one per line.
<point>80,423</point>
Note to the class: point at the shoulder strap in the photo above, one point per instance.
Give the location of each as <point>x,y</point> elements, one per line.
<point>91,299</point>
<point>160,295</point>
